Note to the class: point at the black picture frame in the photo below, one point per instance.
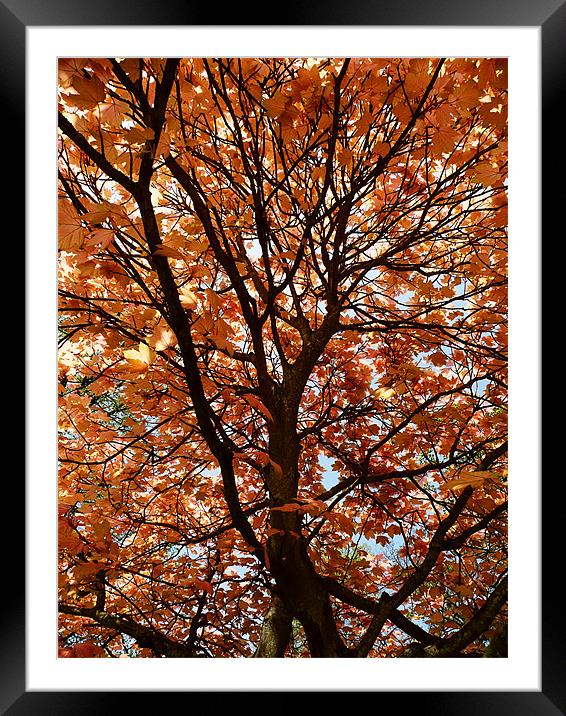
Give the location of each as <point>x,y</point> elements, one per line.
<point>15,17</point>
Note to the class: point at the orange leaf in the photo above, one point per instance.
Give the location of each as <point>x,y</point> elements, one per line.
<point>276,468</point>
<point>202,584</point>
<point>87,650</point>
<point>483,173</point>
<point>162,338</point>
<point>382,148</point>
<point>290,507</point>
<point>90,90</point>
<point>71,233</point>
<point>214,299</point>
<point>139,135</point>
<point>344,156</point>
<point>169,251</point>
<point>258,405</point>
<point>342,521</point>
<point>275,106</point>
<point>272,531</point>
<point>102,238</point>
<point>99,214</point>
<point>266,555</point>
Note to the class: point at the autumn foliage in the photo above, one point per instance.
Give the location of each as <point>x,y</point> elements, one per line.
<point>282,325</point>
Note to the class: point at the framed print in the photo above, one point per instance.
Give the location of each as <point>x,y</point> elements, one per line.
<point>273,343</point>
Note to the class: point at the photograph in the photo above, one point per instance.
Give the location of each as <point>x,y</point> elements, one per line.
<point>282,357</point>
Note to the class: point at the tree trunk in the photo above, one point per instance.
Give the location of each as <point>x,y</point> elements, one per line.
<point>303,593</point>
<point>275,631</point>
<point>299,587</point>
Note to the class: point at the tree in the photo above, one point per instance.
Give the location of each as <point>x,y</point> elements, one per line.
<point>282,368</point>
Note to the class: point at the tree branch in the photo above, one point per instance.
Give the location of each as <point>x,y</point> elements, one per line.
<point>471,631</point>
<point>99,159</point>
<point>145,636</point>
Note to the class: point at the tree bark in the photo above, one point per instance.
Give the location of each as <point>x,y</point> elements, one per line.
<point>275,632</point>
<point>301,590</point>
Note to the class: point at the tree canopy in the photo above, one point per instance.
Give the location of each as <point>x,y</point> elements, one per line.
<point>282,367</point>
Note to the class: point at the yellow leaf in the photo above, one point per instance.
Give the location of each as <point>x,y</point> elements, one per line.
<point>162,338</point>
<point>140,359</point>
<point>472,479</point>
<point>188,297</point>
<point>145,352</point>
<point>385,393</point>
